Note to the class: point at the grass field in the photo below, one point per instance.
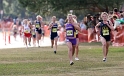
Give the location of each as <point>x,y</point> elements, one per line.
<point>43,62</point>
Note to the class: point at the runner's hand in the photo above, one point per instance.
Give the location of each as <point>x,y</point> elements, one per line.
<point>97,31</point>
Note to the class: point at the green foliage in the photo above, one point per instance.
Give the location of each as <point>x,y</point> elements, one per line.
<point>14,9</point>
<point>51,7</point>
<point>48,8</point>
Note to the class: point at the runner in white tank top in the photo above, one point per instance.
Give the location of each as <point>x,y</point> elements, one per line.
<point>27,32</point>
<point>26,29</point>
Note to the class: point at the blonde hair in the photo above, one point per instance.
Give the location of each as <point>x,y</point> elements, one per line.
<point>69,15</point>
<point>54,17</point>
<point>104,13</point>
<point>74,20</point>
<point>74,16</point>
<point>25,20</point>
<point>38,16</point>
<point>66,20</point>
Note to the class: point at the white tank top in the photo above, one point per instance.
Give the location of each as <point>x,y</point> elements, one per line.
<point>26,29</point>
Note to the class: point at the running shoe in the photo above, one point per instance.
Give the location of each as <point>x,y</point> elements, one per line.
<point>54,52</point>
<point>71,62</point>
<point>76,58</point>
<point>104,59</point>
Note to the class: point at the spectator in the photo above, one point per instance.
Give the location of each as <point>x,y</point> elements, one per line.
<point>62,22</point>
<point>82,25</point>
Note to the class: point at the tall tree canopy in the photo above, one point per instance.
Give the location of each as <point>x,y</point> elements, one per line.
<point>48,8</point>
<point>14,9</point>
<point>65,5</point>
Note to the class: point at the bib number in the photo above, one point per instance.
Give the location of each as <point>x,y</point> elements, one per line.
<point>54,30</point>
<point>33,33</point>
<point>27,30</point>
<point>69,32</point>
<point>37,26</point>
<point>105,32</point>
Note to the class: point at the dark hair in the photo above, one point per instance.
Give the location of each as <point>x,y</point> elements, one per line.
<point>121,11</point>
<point>88,16</point>
<point>115,17</point>
<point>121,15</point>
<point>115,10</point>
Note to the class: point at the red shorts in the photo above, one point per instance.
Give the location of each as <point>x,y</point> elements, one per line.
<point>27,34</point>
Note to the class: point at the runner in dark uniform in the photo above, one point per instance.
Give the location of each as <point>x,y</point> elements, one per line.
<point>39,26</point>
<point>54,35</point>
<point>105,28</point>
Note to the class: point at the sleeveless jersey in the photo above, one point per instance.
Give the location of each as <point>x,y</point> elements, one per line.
<point>26,29</point>
<point>104,29</point>
<point>70,31</point>
<point>38,24</point>
<point>54,29</point>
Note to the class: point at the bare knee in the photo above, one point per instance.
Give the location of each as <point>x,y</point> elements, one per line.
<point>104,45</point>
<point>70,49</point>
<point>55,43</point>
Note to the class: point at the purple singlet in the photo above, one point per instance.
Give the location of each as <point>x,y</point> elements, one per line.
<point>70,31</point>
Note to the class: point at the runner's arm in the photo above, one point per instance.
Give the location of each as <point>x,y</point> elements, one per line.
<point>110,25</point>
<point>42,24</point>
<point>50,26</point>
<point>96,27</point>
<point>76,26</point>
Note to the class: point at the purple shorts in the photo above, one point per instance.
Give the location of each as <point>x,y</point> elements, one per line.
<point>73,41</point>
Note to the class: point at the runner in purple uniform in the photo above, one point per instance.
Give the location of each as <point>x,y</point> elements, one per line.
<point>70,28</point>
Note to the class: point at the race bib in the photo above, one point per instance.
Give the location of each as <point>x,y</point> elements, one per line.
<point>33,33</point>
<point>105,32</point>
<point>54,30</point>
<point>37,26</point>
<point>69,32</point>
<point>27,30</point>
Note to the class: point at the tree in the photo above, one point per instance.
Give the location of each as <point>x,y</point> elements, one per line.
<point>43,6</point>
<point>47,8</point>
<point>102,5</point>
<point>15,9</point>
